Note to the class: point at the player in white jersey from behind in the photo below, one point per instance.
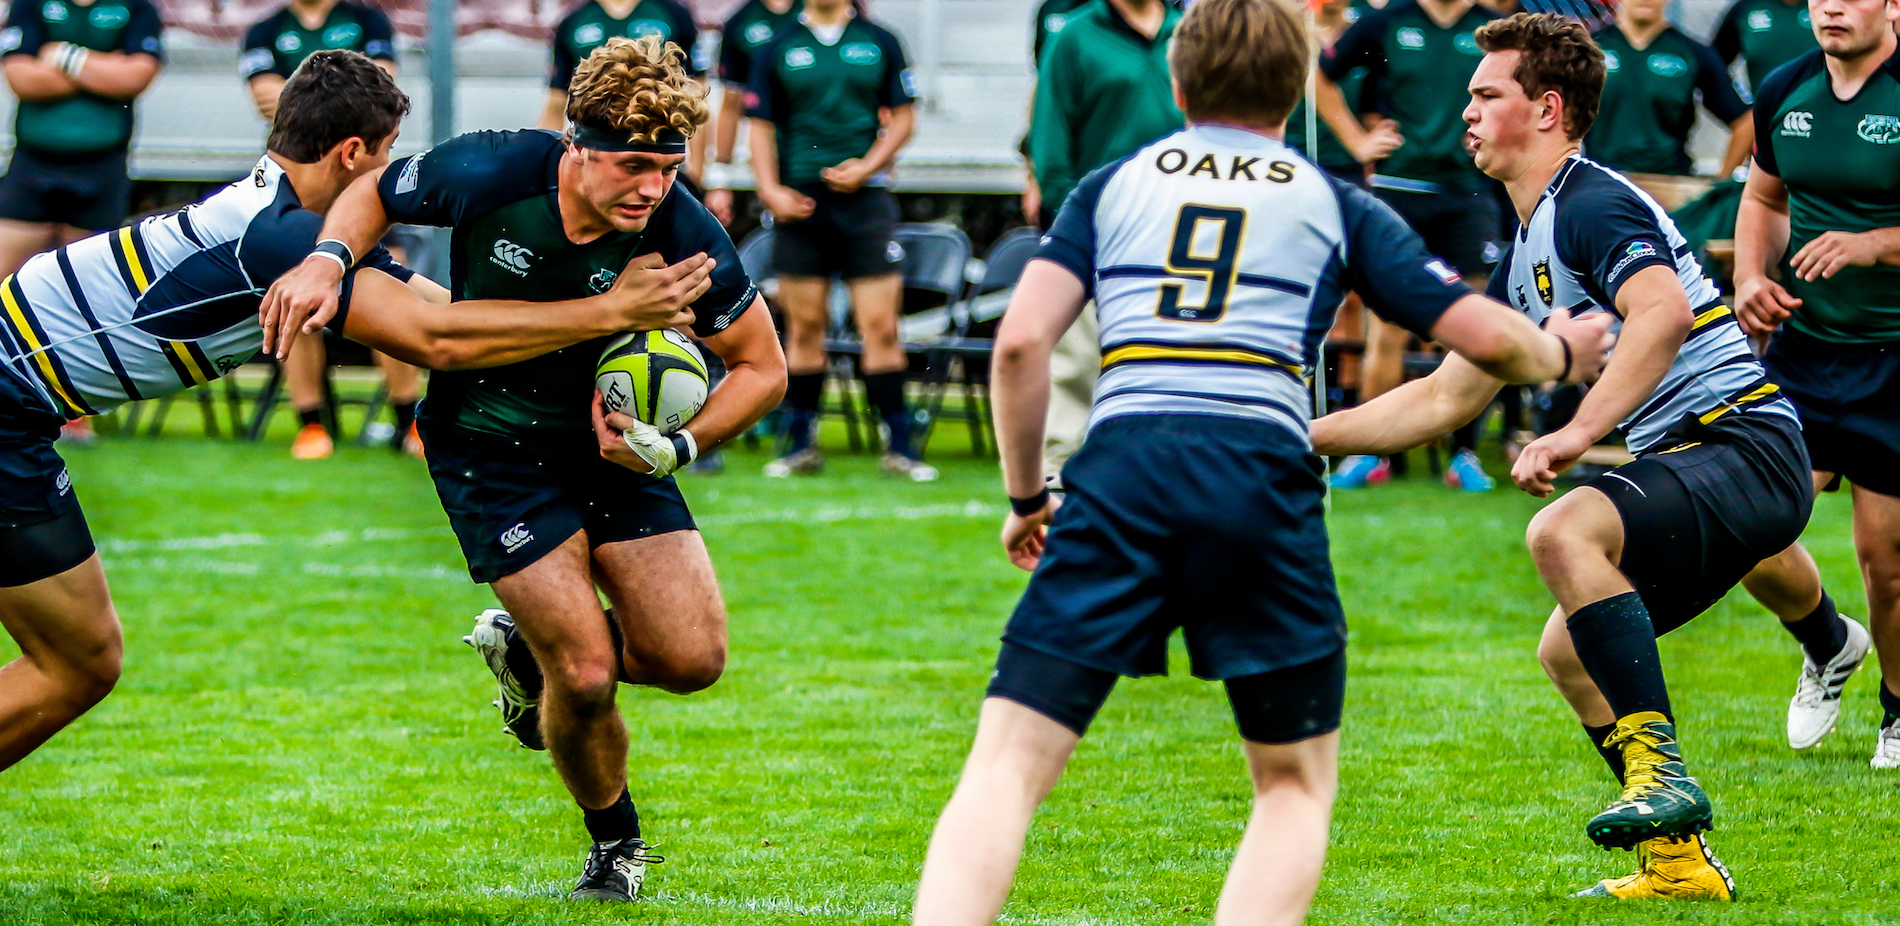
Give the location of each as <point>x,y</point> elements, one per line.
<point>1217,257</point>
<point>171,302</point>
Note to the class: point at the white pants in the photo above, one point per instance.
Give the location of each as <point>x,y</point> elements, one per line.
<point>1073,369</point>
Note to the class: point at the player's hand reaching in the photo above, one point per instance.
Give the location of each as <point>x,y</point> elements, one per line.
<point>847,176</point>
<point>650,295</point>
<point>1023,537</point>
<point>1541,460</point>
<point>1378,142</point>
<point>303,300</point>
<point>786,203</point>
<point>719,203</point>
<point>1761,305</point>
<point>1823,257</point>
<point>633,443</point>
<point>1590,341</point>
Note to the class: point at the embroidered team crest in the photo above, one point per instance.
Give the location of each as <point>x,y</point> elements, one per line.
<point>1881,130</point>
<point>1541,274</point>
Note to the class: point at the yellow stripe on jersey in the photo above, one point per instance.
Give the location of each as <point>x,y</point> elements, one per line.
<point>187,365</point>
<point>1715,314</point>
<point>130,249</point>
<point>1764,391</point>
<point>1136,352</point>
<point>19,318</point>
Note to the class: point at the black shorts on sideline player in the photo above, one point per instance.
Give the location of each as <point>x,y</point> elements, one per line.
<point>1698,516</point>
<point>91,192</point>
<point>1849,398</point>
<point>42,531</point>
<point>847,235</point>
<point>511,503</point>
<point>1210,523</point>
<point>1456,226</point>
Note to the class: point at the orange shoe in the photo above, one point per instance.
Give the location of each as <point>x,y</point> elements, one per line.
<point>412,443</point>
<point>312,443</point>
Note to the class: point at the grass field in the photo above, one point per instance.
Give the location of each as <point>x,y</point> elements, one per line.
<point>301,737</point>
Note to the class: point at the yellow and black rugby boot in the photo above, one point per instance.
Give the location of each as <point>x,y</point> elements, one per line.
<point>1659,798</point>
<point>1672,869</point>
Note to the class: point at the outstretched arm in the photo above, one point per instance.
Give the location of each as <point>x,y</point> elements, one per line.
<point>1410,415</point>
<point>305,299</point>
<point>1046,302</point>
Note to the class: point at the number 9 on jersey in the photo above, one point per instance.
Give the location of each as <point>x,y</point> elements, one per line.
<point>655,376</point>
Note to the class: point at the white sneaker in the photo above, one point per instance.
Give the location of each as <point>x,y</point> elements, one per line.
<point>1887,748</point>
<point>1817,695</point>
<point>897,464</point>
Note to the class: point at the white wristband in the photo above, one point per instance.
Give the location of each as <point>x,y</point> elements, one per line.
<point>720,176</point>
<point>330,256</point>
<point>73,59</point>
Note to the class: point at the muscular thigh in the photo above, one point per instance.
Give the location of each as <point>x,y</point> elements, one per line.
<point>664,593</point>
<point>554,605</point>
<point>63,618</point>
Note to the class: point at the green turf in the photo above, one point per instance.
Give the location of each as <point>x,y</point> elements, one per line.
<point>300,737</point>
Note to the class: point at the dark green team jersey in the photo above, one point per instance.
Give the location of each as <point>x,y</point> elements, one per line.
<point>1332,154</point>
<point>82,123</point>
<point>1841,163</point>
<point>1419,73</point>
<point>1101,93</point>
<point>1649,100</point>
<point>1051,17</point>
<point>589,27</point>
<point>823,99</point>
<point>497,190</point>
<point>280,43</point>
<point>745,32</point>
<point>1765,34</point>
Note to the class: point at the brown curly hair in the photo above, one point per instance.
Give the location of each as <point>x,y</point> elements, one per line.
<point>1557,54</point>
<point>638,86</point>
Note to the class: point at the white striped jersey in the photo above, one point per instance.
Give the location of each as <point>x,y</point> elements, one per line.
<point>1591,231</point>
<point>1217,258</point>
<point>161,305</point>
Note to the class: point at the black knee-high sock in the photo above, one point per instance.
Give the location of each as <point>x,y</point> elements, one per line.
<point>1889,702</point>
<point>1822,633</point>
<point>615,822</point>
<point>1466,438</point>
<point>1617,645</point>
<point>307,417</point>
<point>803,391</point>
<point>1612,755</point>
<point>886,393</point>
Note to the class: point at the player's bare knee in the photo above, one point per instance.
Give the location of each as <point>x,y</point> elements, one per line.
<point>1550,539</point>
<point>687,672</point>
<point>582,682</point>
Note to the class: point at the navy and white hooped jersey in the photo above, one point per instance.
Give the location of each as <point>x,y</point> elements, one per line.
<point>1593,230</point>
<point>1217,258</point>
<point>162,305</point>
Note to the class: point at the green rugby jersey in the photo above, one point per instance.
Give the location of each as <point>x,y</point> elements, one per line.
<point>746,31</point>
<point>1419,72</point>
<point>83,123</point>
<point>823,98</point>
<point>279,43</point>
<point>1051,17</point>
<point>590,26</point>
<point>1841,163</point>
<point>1765,34</point>
<point>1649,100</point>
<point>497,190</point>
<point>1332,154</point>
<point>1102,91</point>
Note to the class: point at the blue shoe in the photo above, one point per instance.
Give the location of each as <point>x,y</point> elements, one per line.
<point>1361,471</point>
<point>1465,472</point>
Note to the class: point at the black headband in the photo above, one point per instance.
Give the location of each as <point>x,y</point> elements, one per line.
<point>601,138</point>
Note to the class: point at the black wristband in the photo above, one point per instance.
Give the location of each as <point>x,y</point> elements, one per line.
<point>336,249</point>
<point>684,450</point>
<point>1024,507</point>
<point>1567,360</point>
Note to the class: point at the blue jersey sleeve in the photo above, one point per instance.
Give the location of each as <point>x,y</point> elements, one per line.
<point>765,96</point>
<point>469,175</point>
<point>379,37</point>
<point>686,36</point>
<point>681,227</point>
<point>1605,233</point>
<point>899,87</point>
<point>735,66</point>
<point>1770,95</point>
<point>1719,94</point>
<point>1070,242</point>
<point>144,36</point>
<point>257,58</point>
<point>1360,46</point>
<point>1388,266</point>
<point>25,33</point>
<point>1727,42</point>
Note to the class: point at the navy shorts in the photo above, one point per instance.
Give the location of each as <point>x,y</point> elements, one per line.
<point>511,503</point>
<point>1701,514</point>
<point>1210,523</point>
<point>1849,397</point>
<point>847,235</point>
<point>42,531</point>
<point>92,192</point>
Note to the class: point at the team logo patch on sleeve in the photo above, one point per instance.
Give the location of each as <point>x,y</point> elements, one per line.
<point>1442,271</point>
<point>1636,251</point>
<point>411,176</point>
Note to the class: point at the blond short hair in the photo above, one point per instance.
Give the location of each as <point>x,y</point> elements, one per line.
<point>638,86</point>
<point>1240,60</point>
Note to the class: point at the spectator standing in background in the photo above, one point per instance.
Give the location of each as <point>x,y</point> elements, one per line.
<point>1419,56</point>
<point>591,24</point>
<point>831,104</point>
<point>76,68</point>
<point>1656,75</point>
<point>1102,91</point>
<point>1051,16</point>
<point>1765,34</point>
<point>272,51</point>
<point>746,31</point>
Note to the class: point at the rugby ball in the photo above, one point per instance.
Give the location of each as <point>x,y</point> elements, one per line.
<point>655,376</point>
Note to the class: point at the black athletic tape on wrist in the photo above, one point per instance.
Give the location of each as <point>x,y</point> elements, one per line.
<point>336,249</point>
<point>602,138</point>
<point>1024,507</point>
<point>685,449</point>
<point>1567,360</point>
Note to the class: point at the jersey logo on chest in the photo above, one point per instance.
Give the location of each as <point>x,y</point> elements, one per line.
<point>511,257</point>
<point>1540,274</point>
<point>1881,130</point>
<point>1797,124</point>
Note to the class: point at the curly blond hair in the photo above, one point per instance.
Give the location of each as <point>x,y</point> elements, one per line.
<point>638,86</point>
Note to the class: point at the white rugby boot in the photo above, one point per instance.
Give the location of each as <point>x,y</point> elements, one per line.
<point>1887,747</point>
<point>1817,696</point>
